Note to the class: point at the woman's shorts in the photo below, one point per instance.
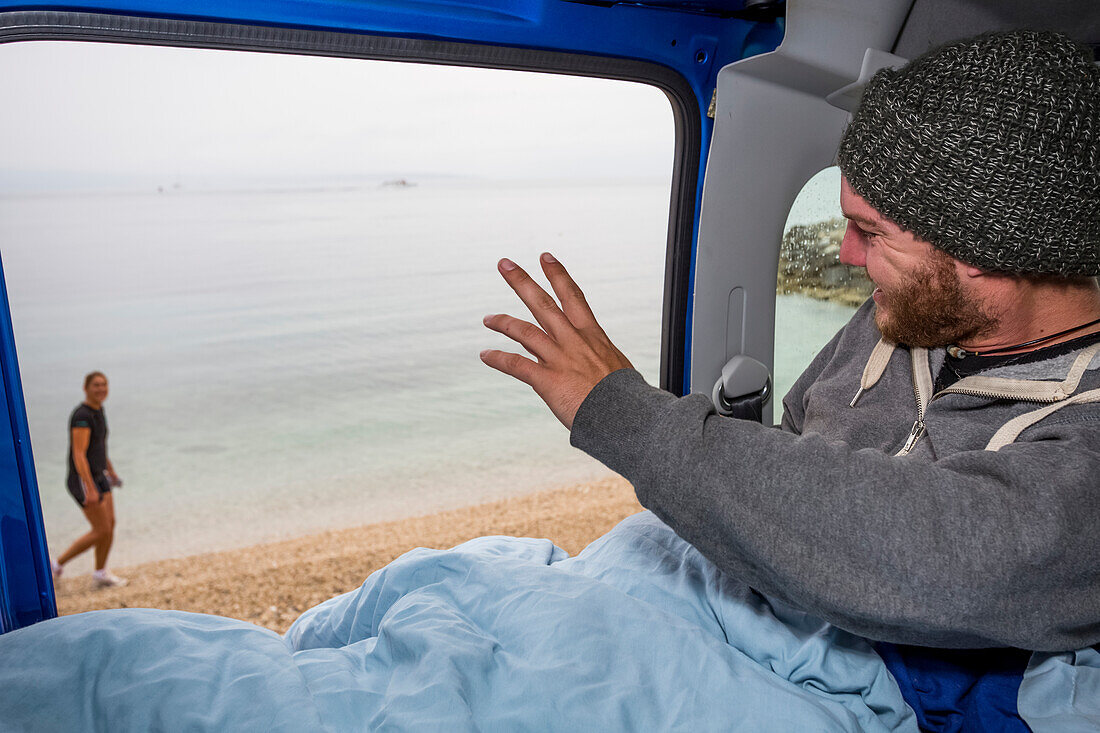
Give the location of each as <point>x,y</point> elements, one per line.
<point>76,487</point>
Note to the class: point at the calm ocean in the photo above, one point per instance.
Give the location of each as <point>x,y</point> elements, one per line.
<point>283,362</point>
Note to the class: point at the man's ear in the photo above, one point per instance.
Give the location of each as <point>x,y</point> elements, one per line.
<point>967,270</point>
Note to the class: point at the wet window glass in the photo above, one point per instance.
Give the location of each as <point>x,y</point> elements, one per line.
<point>816,294</point>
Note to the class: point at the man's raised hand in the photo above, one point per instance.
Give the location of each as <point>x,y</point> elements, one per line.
<point>572,351</point>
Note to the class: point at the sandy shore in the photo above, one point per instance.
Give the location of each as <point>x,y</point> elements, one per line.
<point>271,584</point>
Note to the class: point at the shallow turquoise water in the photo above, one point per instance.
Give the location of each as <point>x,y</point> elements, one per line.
<point>283,362</point>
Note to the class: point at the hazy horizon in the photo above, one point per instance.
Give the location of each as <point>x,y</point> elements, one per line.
<point>96,116</point>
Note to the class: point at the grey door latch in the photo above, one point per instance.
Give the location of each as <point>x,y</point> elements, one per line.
<point>743,388</point>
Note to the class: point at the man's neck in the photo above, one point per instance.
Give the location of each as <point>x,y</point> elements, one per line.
<point>1037,310</point>
<point>93,404</point>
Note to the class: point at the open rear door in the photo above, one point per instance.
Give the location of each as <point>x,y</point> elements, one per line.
<point>676,46</point>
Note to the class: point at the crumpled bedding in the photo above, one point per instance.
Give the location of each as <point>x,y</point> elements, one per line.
<point>1061,692</point>
<point>638,632</point>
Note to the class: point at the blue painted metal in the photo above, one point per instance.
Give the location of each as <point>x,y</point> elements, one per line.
<point>695,44</point>
<point>26,584</point>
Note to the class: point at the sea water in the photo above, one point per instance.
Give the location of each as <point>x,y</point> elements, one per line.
<point>287,361</point>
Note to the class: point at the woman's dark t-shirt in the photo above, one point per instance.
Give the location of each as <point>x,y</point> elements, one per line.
<point>86,417</point>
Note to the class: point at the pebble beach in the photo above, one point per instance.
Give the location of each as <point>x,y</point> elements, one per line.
<point>270,585</point>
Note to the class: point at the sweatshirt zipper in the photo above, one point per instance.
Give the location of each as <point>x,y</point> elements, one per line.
<point>993,395</point>
<point>917,431</point>
<point>923,385</point>
<point>915,434</point>
<point>921,374</point>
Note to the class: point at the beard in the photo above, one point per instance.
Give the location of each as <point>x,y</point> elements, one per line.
<point>930,309</point>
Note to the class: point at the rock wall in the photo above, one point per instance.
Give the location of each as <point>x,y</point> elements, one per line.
<point>809,264</point>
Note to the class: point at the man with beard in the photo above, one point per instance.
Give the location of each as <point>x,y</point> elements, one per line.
<point>934,481</point>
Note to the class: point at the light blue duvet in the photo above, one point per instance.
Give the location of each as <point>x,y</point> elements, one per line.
<point>637,633</point>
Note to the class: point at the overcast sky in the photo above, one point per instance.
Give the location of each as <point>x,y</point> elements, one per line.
<point>81,113</point>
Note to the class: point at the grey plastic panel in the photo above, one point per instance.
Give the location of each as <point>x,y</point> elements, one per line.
<point>933,22</point>
<point>773,130</point>
<point>847,98</point>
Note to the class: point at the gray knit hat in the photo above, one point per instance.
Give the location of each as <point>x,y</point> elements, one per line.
<point>989,148</point>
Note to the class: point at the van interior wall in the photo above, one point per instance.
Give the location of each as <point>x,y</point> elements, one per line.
<point>932,22</point>
<point>773,131</point>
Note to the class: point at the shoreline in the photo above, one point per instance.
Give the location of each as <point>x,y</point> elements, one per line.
<point>271,584</point>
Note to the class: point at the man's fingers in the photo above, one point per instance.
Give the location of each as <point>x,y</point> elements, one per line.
<point>572,299</point>
<point>572,350</point>
<point>542,306</point>
<point>513,365</point>
<point>527,335</point>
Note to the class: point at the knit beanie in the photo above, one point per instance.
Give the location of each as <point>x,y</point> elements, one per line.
<point>989,148</point>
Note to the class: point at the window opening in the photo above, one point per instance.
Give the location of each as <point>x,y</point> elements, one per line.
<point>281,263</point>
<point>815,294</point>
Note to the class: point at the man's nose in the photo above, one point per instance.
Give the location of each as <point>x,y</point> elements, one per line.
<point>853,250</point>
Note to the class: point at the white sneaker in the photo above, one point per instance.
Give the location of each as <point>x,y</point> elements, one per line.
<point>57,569</point>
<point>106,579</point>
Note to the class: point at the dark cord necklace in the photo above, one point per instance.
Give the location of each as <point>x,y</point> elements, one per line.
<point>956,352</point>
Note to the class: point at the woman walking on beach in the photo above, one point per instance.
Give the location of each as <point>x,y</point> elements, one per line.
<point>91,478</point>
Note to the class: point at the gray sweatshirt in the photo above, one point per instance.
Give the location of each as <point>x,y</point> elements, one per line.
<point>979,535</point>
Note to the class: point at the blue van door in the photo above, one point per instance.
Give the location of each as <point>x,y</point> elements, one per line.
<point>677,45</point>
